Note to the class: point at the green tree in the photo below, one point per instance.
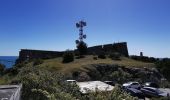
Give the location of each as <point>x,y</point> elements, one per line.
<point>121,76</point>
<point>41,84</point>
<point>164,67</point>
<point>2,68</point>
<point>82,48</point>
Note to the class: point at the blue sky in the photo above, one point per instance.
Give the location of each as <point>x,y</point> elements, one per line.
<point>50,24</point>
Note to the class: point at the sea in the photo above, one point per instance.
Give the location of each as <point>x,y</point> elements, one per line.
<point>8,61</point>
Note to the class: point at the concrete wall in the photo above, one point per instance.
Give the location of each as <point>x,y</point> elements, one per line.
<point>35,54</point>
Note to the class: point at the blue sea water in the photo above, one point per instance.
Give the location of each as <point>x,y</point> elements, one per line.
<point>8,61</point>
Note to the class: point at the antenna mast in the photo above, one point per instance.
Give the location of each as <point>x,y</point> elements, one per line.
<point>82,36</point>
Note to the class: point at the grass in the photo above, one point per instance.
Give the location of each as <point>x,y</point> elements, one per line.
<point>57,65</point>
<point>6,79</point>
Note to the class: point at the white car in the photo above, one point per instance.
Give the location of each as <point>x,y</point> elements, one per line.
<point>134,85</point>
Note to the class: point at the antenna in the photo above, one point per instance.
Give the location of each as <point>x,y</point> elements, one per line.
<point>82,36</point>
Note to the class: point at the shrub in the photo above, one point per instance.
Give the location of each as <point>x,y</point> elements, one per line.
<point>40,84</point>
<point>82,48</point>
<point>95,58</point>
<point>115,94</point>
<point>121,76</point>
<point>164,67</point>
<point>20,65</point>
<point>115,56</point>
<point>68,57</point>
<point>80,56</point>
<point>2,68</point>
<point>37,61</point>
<point>102,55</point>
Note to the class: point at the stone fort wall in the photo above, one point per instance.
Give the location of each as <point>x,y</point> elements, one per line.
<point>35,54</point>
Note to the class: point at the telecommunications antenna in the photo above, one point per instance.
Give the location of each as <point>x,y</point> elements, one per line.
<point>80,26</point>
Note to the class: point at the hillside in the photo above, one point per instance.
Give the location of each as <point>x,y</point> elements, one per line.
<point>78,64</point>
<point>52,74</point>
<point>86,69</point>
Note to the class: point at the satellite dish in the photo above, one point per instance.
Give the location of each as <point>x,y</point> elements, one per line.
<point>80,38</point>
<point>77,41</point>
<point>77,25</point>
<point>84,36</point>
<point>84,23</point>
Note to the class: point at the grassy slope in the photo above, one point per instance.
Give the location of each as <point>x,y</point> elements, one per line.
<point>56,64</point>
<point>78,65</point>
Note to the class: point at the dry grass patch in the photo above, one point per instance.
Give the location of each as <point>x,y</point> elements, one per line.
<point>56,64</point>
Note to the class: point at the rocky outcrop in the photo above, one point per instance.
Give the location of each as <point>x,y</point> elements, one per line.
<point>104,72</point>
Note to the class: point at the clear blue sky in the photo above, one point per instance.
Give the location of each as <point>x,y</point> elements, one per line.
<point>50,24</point>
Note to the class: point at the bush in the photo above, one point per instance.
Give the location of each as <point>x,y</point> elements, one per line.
<point>115,94</point>
<point>102,55</point>
<point>20,65</point>
<point>68,57</point>
<point>95,58</point>
<point>41,84</point>
<point>80,56</point>
<point>115,56</point>
<point>121,76</point>
<point>2,68</point>
<point>37,62</point>
<point>164,67</point>
<point>82,48</point>
<point>144,58</point>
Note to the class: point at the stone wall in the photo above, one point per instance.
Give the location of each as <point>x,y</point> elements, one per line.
<point>25,54</point>
<point>115,47</point>
<point>35,54</point>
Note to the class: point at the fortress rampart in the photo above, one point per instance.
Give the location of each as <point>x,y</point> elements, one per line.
<point>115,47</point>
<point>36,54</point>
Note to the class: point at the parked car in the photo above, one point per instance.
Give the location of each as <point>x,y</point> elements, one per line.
<point>153,92</point>
<point>135,85</point>
<point>151,84</point>
<point>134,92</point>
